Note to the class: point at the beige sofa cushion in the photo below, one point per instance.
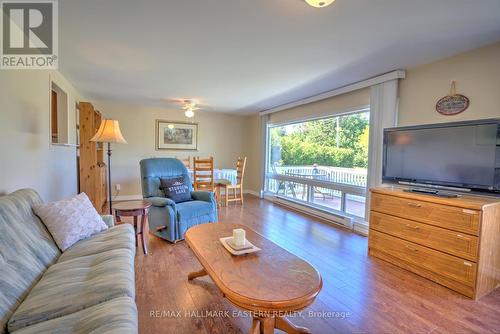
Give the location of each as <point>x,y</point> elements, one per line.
<point>121,236</point>
<point>73,285</point>
<point>26,250</point>
<point>118,315</point>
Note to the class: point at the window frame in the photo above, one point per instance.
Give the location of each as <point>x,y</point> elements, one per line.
<point>345,189</point>
<point>62,121</point>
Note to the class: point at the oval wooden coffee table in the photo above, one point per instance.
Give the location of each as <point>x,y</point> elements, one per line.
<point>134,209</point>
<point>270,283</point>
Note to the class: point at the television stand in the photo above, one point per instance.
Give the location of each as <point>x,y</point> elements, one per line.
<point>431,192</point>
<point>452,241</point>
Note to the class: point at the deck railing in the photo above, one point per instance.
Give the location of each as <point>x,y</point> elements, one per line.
<point>303,182</point>
<point>350,176</point>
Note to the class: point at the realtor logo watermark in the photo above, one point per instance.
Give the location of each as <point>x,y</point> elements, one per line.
<point>29,34</point>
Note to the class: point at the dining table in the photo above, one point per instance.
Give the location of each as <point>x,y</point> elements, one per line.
<point>221,174</point>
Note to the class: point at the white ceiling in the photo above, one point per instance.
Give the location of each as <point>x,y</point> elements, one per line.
<point>245,56</point>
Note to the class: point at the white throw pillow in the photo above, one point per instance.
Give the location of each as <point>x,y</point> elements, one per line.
<point>70,220</point>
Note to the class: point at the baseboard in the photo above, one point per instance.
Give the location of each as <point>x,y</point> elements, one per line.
<point>139,197</point>
<point>328,217</point>
<point>345,222</point>
<point>361,228</point>
<point>251,192</point>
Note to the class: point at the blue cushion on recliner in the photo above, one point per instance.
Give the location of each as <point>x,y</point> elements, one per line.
<point>193,209</point>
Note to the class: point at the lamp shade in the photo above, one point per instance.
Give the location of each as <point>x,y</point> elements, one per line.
<point>319,3</point>
<point>109,132</point>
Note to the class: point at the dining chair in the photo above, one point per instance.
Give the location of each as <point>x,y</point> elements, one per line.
<point>237,189</point>
<point>186,161</point>
<point>203,176</point>
<point>203,173</point>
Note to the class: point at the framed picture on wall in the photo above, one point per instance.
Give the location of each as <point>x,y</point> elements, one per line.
<point>172,135</point>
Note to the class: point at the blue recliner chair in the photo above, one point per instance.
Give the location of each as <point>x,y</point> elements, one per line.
<point>177,218</point>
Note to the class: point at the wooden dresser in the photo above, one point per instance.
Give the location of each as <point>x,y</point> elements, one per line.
<point>452,241</point>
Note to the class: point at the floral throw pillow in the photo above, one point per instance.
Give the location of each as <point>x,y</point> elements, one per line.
<point>70,220</point>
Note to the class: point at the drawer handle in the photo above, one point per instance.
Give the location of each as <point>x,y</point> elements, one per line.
<point>414,205</point>
<point>459,236</point>
<point>468,264</point>
<point>412,249</point>
<point>412,227</point>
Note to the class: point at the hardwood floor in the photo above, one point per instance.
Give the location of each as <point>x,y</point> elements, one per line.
<point>360,293</point>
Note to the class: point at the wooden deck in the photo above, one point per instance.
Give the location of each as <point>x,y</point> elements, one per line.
<point>360,294</point>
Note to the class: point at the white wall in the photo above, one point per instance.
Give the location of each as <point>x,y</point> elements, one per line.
<point>219,135</point>
<point>477,76</point>
<point>253,151</point>
<point>27,159</point>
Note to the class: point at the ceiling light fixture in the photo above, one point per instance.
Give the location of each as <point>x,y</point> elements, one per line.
<point>319,3</point>
<point>189,107</point>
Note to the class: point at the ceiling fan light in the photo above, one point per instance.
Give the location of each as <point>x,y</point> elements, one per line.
<point>319,3</point>
<point>189,113</point>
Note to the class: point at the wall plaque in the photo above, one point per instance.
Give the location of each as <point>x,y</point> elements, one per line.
<point>452,104</point>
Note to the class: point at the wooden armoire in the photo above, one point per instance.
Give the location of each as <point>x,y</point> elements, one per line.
<point>92,168</point>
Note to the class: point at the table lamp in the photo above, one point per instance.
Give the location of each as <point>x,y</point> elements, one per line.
<point>109,132</point>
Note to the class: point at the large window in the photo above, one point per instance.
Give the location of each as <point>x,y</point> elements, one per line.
<point>322,163</point>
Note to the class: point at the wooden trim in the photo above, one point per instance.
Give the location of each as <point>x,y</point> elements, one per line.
<point>65,145</point>
<point>54,117</point>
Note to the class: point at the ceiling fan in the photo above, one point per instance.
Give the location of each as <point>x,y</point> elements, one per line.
<point>189,107</point>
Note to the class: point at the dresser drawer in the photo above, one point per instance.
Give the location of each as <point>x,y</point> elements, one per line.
<point>442,264</point>
<point>449,217</point>
<point>454,243</point>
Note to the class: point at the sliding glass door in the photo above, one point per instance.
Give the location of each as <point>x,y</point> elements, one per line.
<point>321,163</point>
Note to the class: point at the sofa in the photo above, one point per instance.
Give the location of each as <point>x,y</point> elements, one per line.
<point>88,288</point>
<point>167,219</point>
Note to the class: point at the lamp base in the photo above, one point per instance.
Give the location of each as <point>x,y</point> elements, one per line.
<point>110,195</point>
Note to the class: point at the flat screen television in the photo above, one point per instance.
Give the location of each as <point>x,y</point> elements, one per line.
<point>464,155</point>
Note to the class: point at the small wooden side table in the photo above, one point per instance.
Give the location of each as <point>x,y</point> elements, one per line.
<point>134,209</point>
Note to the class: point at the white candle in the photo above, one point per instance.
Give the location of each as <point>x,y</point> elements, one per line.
<point>239,237</point>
